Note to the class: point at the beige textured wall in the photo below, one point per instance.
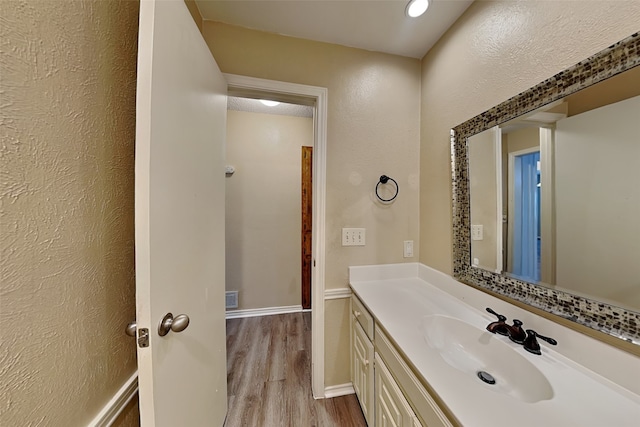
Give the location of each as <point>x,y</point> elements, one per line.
<point>337,341</point>
<point>263,210</point>
<point>66,235</point>
<point>373,129</point>
<point>521,139</point>
<point>494,51</point>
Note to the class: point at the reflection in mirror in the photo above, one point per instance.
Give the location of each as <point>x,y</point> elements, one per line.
<point>527,160</point>
<point>485,183</point>
<point>554,194</point>
<point>523,214</point>
<point>598,203</point>
<point>568,220</point>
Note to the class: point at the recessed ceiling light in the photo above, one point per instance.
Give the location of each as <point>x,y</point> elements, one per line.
<point>269,103</point>
<point>416,8</point>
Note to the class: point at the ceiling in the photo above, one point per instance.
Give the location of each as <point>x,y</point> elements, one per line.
<point>378,25</point>
<point>255,106</point>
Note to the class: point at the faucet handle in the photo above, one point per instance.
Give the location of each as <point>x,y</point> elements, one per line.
<point>516,333</point>
<point>531,344</point>
<point>497,327</point>
<point>500,317</point>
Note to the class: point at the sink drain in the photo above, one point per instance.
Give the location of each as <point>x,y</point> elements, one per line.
<point>486,377</point>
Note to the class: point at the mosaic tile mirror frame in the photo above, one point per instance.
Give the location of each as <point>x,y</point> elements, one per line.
<point>619,322</point>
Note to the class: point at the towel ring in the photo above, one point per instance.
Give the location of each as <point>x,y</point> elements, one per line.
<point>383,180</point>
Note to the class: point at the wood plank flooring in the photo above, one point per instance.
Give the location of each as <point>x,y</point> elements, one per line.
<point>269,377</point>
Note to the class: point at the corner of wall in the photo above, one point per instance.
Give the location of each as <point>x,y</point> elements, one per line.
<point>195,13</point>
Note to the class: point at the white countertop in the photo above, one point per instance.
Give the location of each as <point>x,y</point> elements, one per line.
<point>399,299</point>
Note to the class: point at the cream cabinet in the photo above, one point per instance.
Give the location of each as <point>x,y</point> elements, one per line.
<point>391,407</point>
<point>362,357</point>
<point>421,400</point>
<point>390,394</point>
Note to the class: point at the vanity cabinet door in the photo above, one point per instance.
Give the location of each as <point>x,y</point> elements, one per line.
<point>391,407</point>
<point>362,355</point>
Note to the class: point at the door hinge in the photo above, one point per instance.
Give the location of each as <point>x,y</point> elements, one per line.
<point>143,337</point>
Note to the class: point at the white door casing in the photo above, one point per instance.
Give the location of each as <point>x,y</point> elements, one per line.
<point>179,219</point>
<point>317,96</point>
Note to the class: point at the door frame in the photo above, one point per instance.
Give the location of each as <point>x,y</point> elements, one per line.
<point>547,206</point>
<point>252,87</point>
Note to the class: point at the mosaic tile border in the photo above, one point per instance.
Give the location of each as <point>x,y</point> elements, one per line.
<point>615,321</point>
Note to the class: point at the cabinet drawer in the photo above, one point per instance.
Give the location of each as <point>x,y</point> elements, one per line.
<point>420,399</point>
<point>362,315</point>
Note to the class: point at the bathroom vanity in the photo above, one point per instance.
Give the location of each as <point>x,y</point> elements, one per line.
<point>418,341</point>
<point>373,356</point>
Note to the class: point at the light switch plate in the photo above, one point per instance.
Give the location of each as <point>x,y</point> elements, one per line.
<point>477,232</point>
<point>353,236</point>
<point>408,248</point>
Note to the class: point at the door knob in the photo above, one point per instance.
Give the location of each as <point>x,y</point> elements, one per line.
<point>131,329</point>
<point>175,324</point>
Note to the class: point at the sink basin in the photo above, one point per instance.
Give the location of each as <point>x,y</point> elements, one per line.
<point>471,350</point>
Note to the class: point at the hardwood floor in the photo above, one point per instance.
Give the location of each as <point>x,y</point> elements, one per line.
<point>269,376</point>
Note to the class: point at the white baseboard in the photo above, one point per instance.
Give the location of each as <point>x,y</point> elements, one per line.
<point>338,390</point>
<point>337,293</point>
<point>267,311</point>
<point>108,415</point>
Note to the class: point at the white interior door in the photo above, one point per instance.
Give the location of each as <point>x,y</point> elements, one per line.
<point>180,132</point>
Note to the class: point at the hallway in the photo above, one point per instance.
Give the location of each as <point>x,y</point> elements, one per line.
<point>269,376</point>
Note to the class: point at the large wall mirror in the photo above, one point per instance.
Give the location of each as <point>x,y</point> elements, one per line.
<point>546,190</point>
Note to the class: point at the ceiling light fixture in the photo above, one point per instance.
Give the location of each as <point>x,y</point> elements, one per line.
<point>269,103</point>
<point>416,8</point>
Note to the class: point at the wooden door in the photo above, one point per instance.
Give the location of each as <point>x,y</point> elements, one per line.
<point>179,220</point>
<point>307,222</point>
